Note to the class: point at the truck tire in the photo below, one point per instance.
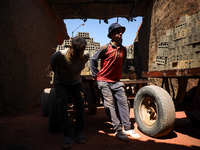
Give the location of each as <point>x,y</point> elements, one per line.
<point>45,102</point>
<point>154,111</point>
<point>193,116</point>
<point>53,123</point>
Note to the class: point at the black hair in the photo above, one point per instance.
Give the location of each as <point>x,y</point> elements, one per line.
<point>78,43</point>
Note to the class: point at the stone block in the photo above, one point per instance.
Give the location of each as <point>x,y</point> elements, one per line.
<point>197,56</point>
<point>179,42</point>
<point>172,44</point>
<point>188,31</point>
<point>190,48</point>
<point>163,45</point>
<point>191,56</point>
<point>188,64</point>
<point>160,52</point>
<point>169,66</point>
<point>178,35</point>
<point>196,38</point>
<point>193,30</point>
<point>180,27</point>
<point>175,58</point>
<point>160,60</point>
<point>169,38</point>
<point>183,33</point>
<point>170,51</point>
<point>185,49</point>
<point>169,59</point>
<point>189,25</point>
<point>196,48</point>
<point>164,39</point>
<point>198,28</point>
<point>173,51</point>
<point>195,63</point>
<point>174,36</point>
<point>180,49</point>
<point>162,67</point>
<point>184,41</point>
<point>170,32</point>
<point>188,19</point>
<point>155,66</point>
<point>189,39</point>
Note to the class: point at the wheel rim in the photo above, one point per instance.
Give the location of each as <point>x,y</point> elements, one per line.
<point>148,111</point>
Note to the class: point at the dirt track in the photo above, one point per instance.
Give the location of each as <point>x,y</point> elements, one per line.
<point>28,129</point>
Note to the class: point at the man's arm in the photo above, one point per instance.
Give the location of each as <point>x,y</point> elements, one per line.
<point>94,60</point>
<point>53,62</point>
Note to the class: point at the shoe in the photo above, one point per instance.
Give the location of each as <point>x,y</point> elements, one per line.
<point>132,134</point>
<point>67,143</point>
<point>81,138</point>
<point>122,136</point>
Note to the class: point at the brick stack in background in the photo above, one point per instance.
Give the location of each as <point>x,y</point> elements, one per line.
<point>180,47</point>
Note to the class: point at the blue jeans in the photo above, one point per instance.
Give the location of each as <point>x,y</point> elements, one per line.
<point>63,91</point>
<point>114,93</point>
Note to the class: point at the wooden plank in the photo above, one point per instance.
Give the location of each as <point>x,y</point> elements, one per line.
<point>125,81</point>
<point>192,72</point>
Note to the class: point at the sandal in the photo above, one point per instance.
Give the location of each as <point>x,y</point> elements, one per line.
<point>67,143</point>
<point>81,138</point>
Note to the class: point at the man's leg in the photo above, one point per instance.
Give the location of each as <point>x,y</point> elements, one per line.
<point>78,95</point>
<point>109,104</point>
<point>122,103</point>
<point>62,98</point>
<point>123,107</point>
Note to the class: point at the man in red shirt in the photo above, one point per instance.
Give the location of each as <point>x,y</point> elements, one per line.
<point>108,78</point>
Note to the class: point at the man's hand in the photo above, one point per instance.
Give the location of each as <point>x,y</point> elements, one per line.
<point>94,79</point>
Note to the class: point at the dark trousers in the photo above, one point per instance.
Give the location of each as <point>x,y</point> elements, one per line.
<point>63,92</point>
<point>113,93</point>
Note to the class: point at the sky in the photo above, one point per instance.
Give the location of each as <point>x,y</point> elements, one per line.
<point>99,31</point>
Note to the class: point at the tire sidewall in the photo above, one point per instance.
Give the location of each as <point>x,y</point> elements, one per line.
<point>159,126</point>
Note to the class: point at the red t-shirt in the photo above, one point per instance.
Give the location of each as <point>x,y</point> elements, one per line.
<point>111,64</point>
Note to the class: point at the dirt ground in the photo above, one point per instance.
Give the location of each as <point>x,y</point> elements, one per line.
<point>28,130</point>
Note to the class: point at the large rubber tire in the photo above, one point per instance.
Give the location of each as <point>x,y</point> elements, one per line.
<point>154,111</point>
<point>193,116</point>
<point>45,102</point>
<point>53,123</point>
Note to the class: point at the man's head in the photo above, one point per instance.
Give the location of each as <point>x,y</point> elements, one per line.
<point>78,45</point>
<point>115,31</point>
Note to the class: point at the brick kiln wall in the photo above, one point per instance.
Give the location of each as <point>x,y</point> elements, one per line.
<point>28,33</point>
<point>162,16</point>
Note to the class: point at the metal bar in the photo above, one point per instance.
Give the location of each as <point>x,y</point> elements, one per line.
<point>182,82</point>
<point>166,85</point>
<point>197,93</point>
<point>192,72</point>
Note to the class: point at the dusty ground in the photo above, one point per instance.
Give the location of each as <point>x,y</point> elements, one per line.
<point>28,130</point>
